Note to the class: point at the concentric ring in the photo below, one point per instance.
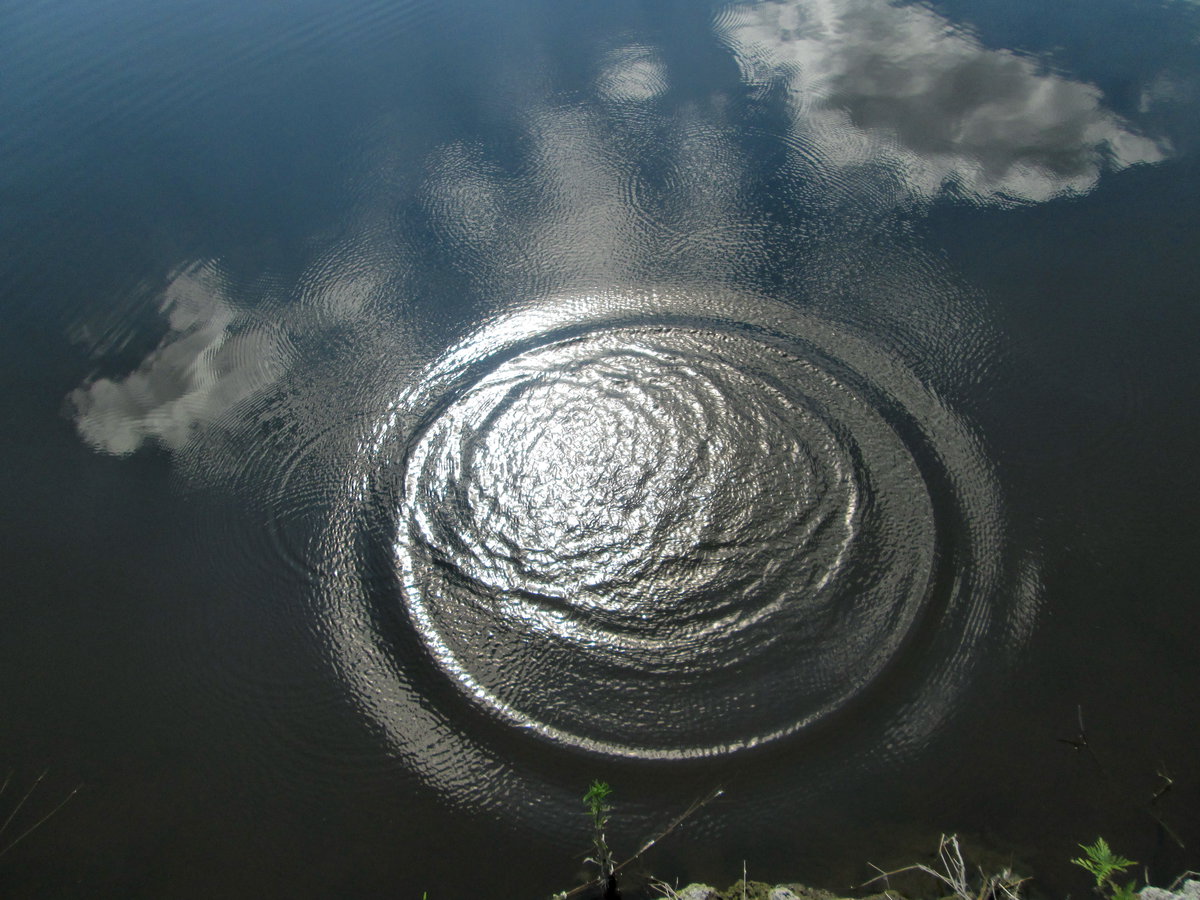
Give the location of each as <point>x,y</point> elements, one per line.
<point>658,526</point>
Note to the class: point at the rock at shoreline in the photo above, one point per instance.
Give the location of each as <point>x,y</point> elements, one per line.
<point>758,890</point>
<point>1189,891</point>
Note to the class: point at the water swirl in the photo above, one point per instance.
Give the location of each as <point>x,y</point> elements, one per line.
<point>658,527</point>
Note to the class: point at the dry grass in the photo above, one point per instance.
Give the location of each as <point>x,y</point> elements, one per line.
<point>1002,885</point>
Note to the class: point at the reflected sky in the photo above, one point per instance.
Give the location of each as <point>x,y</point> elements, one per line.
<point>668,389</point>
<point>885,103</point>
<point>871,84</point>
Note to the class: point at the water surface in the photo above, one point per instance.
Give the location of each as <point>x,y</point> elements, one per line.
<point>417,411</point>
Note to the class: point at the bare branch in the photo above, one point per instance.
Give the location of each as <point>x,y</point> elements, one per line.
<point>24,834</point>
<point>29,793</point>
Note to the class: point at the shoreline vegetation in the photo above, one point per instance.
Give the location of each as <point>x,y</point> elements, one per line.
<point>755,890</point>
<point>949,877</point>
<point>1186,887</point>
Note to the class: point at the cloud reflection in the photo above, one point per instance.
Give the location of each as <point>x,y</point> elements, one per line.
<point>234,357</point>
<point>870,83</point>
<point>212,358</point>
<point>632,74</point>
<point>882,99</point>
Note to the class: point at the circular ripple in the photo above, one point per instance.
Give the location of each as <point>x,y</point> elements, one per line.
<point>659,527</point>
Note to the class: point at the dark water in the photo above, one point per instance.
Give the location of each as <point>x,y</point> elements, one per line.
<point>416,411</point>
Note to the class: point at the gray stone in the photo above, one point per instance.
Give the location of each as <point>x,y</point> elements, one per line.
<point>782,893</point>
<point>804,892</point>
<point>1189,891</point>
<point>698,892</point>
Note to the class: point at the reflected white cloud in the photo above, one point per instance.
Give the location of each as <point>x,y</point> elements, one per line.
<point>598,200</point>
<point>875,84</point>
<point>225,355</point>
<point>212,358</point>
<point>886,103</point>
<point>632,74</point>
<point>1169,89</point>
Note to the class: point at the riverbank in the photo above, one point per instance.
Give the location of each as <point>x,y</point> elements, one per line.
<point>758,890</point>
<point>1189,889</point>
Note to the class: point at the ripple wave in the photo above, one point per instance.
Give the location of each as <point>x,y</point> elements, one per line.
<point>658,526</point>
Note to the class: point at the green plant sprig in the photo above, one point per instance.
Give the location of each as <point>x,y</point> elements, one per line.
<point>1103,864</point>
<point>596,801</point>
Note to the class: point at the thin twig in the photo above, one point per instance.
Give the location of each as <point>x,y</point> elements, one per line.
<point>675,823</point>
<point>41,821</point>
<point>1003,885</point>
<point>1080,743</point>
<point>1166,782</point>
<point>1178,882</point>
<point>654,839</point>
<point>29,793</point>
<point>668,892</point>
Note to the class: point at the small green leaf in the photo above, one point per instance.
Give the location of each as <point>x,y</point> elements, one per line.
<point>597,794</point>
<point>1102,864</point>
